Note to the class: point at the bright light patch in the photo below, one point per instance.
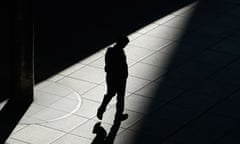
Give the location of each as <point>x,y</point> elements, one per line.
<point>148,55</point>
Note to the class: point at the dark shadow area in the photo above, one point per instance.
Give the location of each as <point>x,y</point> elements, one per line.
<point>101,135</point>
<point>5,52</point>
<point>197,100</point>
<point>12,112</point>
<point>116,69</point>
<point>67,32</point>
<point>16,62</point>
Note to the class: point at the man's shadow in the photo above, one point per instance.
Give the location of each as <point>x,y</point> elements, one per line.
<point>101,134</point>
<point>116,69</point>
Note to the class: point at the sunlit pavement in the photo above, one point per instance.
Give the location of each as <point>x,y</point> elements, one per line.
<point>65,106</point>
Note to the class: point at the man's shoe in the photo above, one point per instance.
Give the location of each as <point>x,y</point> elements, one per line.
<point>96,127</point>
<point>120,118</point>
<point>124,117</point>
<point>100,113</point>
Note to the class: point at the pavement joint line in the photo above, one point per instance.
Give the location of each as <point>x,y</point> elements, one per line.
<point>19,140</point>
<point>84,80</point>
<point>84,65</point>
<point>141,47</point>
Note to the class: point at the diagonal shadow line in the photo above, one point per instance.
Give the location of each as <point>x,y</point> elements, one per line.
<point>64,37</point>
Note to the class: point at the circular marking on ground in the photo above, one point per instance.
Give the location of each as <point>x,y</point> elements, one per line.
<point>51,103</point>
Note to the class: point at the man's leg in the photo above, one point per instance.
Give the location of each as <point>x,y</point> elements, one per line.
<point>111,91</point>
<point>120,100</point>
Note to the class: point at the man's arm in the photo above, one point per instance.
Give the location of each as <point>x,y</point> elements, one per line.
<point>106,60</point>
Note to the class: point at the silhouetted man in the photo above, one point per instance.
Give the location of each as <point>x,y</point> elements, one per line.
<point>116,69</point>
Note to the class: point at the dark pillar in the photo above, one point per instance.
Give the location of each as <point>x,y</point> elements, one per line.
<point>18,64</point>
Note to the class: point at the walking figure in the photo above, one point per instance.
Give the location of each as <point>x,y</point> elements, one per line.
<point>116,69</point>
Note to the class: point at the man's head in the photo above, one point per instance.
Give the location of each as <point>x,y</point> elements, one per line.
<point>122,42</point>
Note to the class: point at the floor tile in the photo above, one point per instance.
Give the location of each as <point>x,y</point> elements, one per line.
<point>44,98</point>
<point>235,12</point>
<point>158,59</point>
<point>103,50</point>
<point>166,33</point>
<point>169,49</point>
<point>178,22</point>
<point>148,90</point>
<point>36,134</point>
<point>91,74</point>
<point>18,127</point>
<point>147,28</point>
<point>42,85</point>
<point>234,66</point>
<point>138,103</point>
<point>57,89</point>
<point>91,58</point>
<point>66,105</point>
<point>85,130</point>
<point>78,85</point>
<point>26,120</point>
<point>71,69</point>
<point>130,62</point>
<point>186,10</point>
<point>99,63</point>
<point>56,78</point>
<point>164,19</point>
<point>49,114</point>
<point>126,137</point>
<point>88,108</point>
<point>136,53</point>
<point>137,126</point>
<point>71,139</point>
<point>134,83</point>
<point>133,36</point>
<point>146,71</point>
<point>66,124</point>
<point>13,141</point>
<point>96,94</point>
<point>215,59</point>
<point>34,108</point>
<point>73,96</point>
<point>228,46</point>
<point>149,42</point>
